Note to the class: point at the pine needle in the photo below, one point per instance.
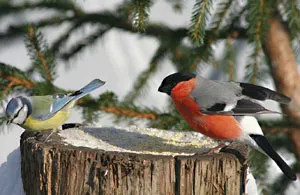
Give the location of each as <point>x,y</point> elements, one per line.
<point>201,11</point>
<point>42,59</point>
<point>141,9</point>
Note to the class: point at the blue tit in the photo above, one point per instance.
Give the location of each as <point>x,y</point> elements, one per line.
<point>38,113</point>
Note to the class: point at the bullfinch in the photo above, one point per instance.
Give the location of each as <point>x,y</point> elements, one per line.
<point>224,110</point>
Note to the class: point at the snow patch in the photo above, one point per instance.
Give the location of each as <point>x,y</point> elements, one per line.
<point>10,172</point>
<point>139,140</point>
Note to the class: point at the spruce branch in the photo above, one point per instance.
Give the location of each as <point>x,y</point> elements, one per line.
<point>201,55</point>
<point>87,41</point>
<point>258,163</point>
<point>127,112</point>
<point>219,17</point>
<point>258,17</point>
<point>112,20</point>
<point>13,79</point>
<point>63,38</point>
<point>109,103</point>
<point>292,13</point>
<point>125,10</point>
<point>184,59</point>
<point>14,31</point>
<point>18,81</point>
<point>252,67</point>
<point>281,184</point>
<point>201,11</point>
<point>141,9</point>
<point>43,60</point>
<point>8,7</point>
<point>229,59</point>
<point>143,78</point>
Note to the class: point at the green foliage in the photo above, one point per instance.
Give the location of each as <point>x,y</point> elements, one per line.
<point>13,80</point>
<point>223,11</point>
<point>188,48</point>
<point>201,11</point>
<point>42,58</point>
<point>141,9</point>
<point>141,81</point>
<point>291,10</point>
<point>258,18</point>
<point>258,163</point>
<point>87,42</point>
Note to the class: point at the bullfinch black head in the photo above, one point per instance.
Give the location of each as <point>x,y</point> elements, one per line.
<point>173,79</point>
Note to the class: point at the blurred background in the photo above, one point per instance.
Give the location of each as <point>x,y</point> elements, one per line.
<point>56,46</point>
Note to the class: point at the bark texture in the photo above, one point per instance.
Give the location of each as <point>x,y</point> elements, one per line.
<point>57,168</point>
<point>285,74</point>
<point>284,67</point>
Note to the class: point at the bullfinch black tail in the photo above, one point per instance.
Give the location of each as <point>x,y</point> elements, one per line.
<point>264,144</point>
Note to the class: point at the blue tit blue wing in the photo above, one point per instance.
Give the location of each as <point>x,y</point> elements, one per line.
<point>96,83</point>
<point>59,101</point>
<point>41,105</point>
<point>44,107</point>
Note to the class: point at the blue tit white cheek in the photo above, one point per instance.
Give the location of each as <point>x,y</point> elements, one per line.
<point>21,118</point>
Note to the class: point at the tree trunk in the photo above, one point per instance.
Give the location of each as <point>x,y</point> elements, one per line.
<point>284,67</point>
<point>128,162</point>
<point>285,73</point>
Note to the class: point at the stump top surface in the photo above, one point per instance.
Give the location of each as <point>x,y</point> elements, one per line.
<point>138,140</point>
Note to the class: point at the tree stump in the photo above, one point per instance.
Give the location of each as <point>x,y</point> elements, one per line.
<point>128,161</point>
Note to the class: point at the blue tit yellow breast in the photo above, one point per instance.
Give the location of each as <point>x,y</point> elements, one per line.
<point>54,122</point>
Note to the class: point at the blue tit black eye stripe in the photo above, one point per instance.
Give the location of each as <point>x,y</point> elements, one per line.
<point>17,114</point>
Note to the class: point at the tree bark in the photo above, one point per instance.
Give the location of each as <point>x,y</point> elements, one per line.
<point>284,67</point>
<point>285,74</point>
<point>54,167</point>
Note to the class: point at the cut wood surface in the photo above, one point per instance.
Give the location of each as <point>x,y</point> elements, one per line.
<point>128,161</point>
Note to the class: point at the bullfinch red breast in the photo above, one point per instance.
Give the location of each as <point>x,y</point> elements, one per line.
<point>224,110</point>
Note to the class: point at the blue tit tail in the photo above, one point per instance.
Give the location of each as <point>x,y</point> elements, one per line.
<point>96,83</point>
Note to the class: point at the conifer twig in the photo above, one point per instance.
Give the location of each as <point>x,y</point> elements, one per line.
<point>27,84</point>
<point>39,52</point>
<point>127,112</point>
<point>220,18</point>
<point>257,42</point>
<point>194,64</point>
<point>87,41</point>
<point>142,79</point>
<point>141,13</point>
<point>199,19</point>
<point>230,60</point>
<point>12,83</point>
